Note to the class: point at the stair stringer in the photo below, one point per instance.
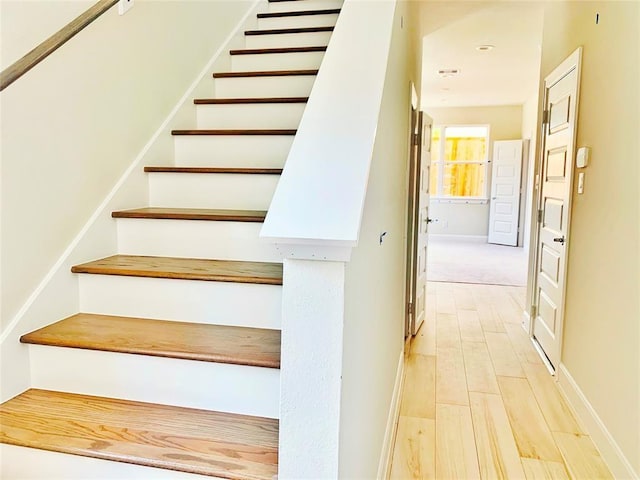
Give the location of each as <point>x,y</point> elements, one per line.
<point>57,295</point>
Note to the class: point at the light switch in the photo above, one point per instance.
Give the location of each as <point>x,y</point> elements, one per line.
<point>581,183</point>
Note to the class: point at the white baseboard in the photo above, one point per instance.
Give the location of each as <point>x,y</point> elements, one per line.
<point>458,238</point>
<point>609,450</point>
<point>392,422</point>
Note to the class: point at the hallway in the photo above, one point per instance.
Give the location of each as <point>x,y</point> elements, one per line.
<point>478,401</point>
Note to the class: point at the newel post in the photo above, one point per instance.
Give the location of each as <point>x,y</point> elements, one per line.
<point>311,368</point>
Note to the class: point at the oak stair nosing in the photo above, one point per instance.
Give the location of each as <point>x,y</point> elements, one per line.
<point>208,270</point>
<point>244,101</point>
<point>233,345</point>
<point>161,213</point>
<point>222,445</point>
<point>300,13</point>
<point>285,31</point>
<point>234,132</point>
<point>278,50</point>
<point>266,73</point>
<point>241,171</point>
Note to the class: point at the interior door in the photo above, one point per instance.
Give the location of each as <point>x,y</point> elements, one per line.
<point>417,221</point>
<point>506,173</point>
<point>422,228</point>
<point>556,179</point>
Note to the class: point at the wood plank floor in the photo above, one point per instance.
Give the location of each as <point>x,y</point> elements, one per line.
<point>478,401</point>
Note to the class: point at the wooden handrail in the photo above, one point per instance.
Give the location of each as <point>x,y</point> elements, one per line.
<point>51,44</point>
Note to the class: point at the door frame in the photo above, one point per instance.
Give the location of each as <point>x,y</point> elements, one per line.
<point>573,61</point>
<point>413,192</point>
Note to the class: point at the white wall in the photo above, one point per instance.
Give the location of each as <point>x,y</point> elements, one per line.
<point>601,348</point>
<point>76,133</point>
<point>25,24</point>
<point>505,124</point>
<point>529,132</point>
<point>374,281</point>
<point>73,124</point>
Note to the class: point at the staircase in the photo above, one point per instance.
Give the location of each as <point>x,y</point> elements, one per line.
<point>173,362</point>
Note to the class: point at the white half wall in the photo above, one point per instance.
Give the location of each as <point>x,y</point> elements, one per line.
<point>375,277</point>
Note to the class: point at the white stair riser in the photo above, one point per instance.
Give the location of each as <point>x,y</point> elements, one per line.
<point>194,239</point>
<point>220,303</point>
<point>167,381</point>
<point>306,5</point>
<point>232,150</point>
<point>306,39</point>
<point>202,190</point>
<point>299,21</point>
<point>258,87</point>
<point>276,61</point>
<point>21,463</point>
<point>253,115</point>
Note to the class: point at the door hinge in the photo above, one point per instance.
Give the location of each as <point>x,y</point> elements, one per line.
<point>539,216</point>
<point>410,308</point>
<point>545,116</point>
<point>414,138</point>
<point>533,311</point>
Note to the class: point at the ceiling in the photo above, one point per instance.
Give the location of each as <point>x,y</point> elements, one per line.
<point>506,75</point>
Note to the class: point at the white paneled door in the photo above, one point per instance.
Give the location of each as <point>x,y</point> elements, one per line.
<point>418,221</point>
<point>504,213</point>
<point>422,228</point>
<point>556,178</point>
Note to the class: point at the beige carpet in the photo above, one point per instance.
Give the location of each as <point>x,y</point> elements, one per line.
<point>474,262</point>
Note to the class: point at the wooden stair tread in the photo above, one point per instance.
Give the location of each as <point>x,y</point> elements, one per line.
<point>192,214</point>
<point>267,132</point>
<point>160,338</point>
<point>185,269</point>
<point>194,441</point>
<point>248,171</point>
<point>266,73</point>
<point>300,13</point>
<point>232,101</point>
<point>260,51</point>
<point>278,31</point>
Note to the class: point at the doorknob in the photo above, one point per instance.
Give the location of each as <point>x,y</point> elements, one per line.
<point>430,220</point>
<point>559,240</point>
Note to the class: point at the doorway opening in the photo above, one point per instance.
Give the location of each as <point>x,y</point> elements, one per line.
<point>481,69</point>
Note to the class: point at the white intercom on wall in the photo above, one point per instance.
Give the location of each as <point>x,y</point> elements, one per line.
<point>582,158</point>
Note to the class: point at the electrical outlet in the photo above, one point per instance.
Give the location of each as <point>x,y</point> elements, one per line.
<point>124,6</point>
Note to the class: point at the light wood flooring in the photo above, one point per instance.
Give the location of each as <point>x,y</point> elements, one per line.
<point>478,401</point>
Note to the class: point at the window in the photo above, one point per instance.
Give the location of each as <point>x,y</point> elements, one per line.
<point>459,161</point>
